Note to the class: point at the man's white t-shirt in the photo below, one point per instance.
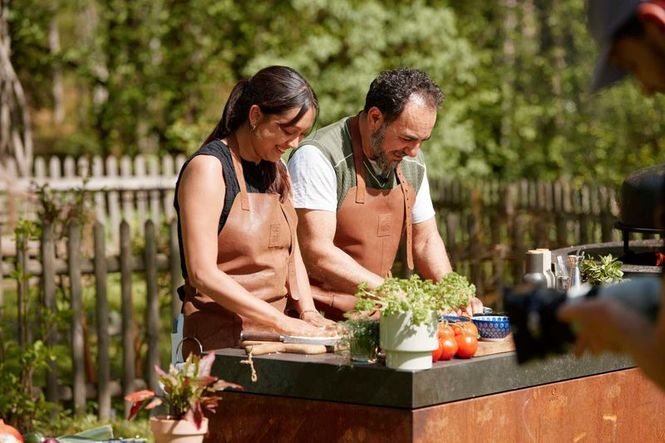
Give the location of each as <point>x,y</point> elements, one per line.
<point>315,184</point>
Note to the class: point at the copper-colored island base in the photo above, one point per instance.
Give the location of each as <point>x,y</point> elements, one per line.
<point>620,406</point>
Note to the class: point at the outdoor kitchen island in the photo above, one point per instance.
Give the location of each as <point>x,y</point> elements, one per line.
<point>320,398</point>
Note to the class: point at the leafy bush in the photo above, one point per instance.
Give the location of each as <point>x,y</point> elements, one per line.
<point>416,296</point>
<point>603,270</point>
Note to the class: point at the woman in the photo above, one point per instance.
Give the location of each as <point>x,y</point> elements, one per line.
<point>236,223</point>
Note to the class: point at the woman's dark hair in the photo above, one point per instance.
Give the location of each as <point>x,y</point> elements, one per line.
<point>390,91</point>
<point>275,90</point>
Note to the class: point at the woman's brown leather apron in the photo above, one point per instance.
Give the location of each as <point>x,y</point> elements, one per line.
<point>255,249</point>
<point>370,223</point>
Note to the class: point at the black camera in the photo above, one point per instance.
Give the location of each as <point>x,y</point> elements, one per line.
<point>538,332</point>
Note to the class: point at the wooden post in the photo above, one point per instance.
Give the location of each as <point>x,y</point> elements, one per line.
<point>70,167</point>
<point>140,195</point>
<point>559,217</point>
<point>102,311</point>
<point>541,215</point>
<point>114,204</point>
<point>498,251</point>
<point>168,171</point>
<point>100,200</point>
<point>510,208</point>
<point>584,216</point>
<point>475,250</point>
<point>74,256</point>
<point>22,290</point>
<point>128,213</point>
<point>475,240</point>
<point>152,310</point>
<point>128,354</point>
<point>518,248</point>
<point>2,279</point>
<point>605,221</point>
<point>48,293</point>
<point>153,172</point>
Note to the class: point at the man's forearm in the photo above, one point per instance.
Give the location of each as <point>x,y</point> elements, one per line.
<point>430,257</point>
<point>339,272</point>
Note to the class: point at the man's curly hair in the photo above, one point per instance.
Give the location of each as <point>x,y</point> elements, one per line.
<point>390,91</point>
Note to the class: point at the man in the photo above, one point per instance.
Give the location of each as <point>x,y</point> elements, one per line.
<point>631,36</point>
<point>361,182</point>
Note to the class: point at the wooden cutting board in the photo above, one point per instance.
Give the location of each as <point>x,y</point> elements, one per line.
<point>495,347</point>
<point>263,348</point>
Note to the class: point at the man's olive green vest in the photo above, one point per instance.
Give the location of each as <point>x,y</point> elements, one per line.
<point>334,142</point>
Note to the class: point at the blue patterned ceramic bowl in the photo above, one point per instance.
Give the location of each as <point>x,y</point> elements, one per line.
<point>492,327</point>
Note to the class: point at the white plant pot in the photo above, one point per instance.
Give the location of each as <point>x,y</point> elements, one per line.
<point>408,347</point>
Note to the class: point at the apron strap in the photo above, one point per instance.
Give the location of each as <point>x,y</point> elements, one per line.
<point>240,176</point>
<point>356,146</point>
<point>408,216</point>
<point>291,278</point>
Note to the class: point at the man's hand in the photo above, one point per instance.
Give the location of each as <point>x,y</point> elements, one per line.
<point>604,325</point>
<point>475,306</point>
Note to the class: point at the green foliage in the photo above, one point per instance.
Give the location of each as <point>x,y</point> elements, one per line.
<point>188,390</point>
<point>20,405</point>
<point>152,75</point>
<point>454,291</point>
<point>416,296</point>
<point>361,335</point>
<point>603,270</point>
<point>69,425</point>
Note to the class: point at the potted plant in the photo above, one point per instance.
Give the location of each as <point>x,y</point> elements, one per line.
<point>409,315</point>
<point>362,337</point>
<point>603,270</point>
<point>188,391</point>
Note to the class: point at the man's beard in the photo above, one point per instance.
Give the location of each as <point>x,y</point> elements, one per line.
<point>380,157</point>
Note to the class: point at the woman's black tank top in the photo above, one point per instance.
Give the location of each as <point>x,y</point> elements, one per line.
<point>218,149</point>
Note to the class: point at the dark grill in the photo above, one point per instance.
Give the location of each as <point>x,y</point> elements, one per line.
<point>642,205</point>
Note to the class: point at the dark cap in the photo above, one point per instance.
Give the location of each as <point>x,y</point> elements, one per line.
<point>605,18</point>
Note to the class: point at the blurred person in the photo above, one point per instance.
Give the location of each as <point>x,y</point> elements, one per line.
<point>236,221</point>
<point>631,37</point>
<point>360,183</point>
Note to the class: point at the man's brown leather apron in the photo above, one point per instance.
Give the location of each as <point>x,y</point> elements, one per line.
<point>255,249</point>
<point>370,223</point>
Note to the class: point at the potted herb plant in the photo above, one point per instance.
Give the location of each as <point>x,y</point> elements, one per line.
<point>409,315</point>
<point>188,391</point>
<point>603,270</point>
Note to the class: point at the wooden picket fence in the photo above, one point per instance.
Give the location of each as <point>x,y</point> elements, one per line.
<point>489,226</point>
<point>92,379</point>
<point>133,189</point>
<point>486,226</point>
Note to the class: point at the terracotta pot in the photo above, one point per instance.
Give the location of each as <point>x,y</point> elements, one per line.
<point>165,430</point>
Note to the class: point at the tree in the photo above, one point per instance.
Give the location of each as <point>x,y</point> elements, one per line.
<point>15,130</point>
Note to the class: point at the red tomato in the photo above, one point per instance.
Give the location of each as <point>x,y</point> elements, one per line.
<point>445,331</point>
<point>448,347</point>
<point>467,345</point>
<point>436,354</point>
<point>465,327</point>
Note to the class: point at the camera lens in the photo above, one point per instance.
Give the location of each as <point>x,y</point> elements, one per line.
<point>536,330</point>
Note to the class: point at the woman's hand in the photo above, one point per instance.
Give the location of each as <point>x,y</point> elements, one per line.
<point>301,328</point>
<point>316,319</point>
